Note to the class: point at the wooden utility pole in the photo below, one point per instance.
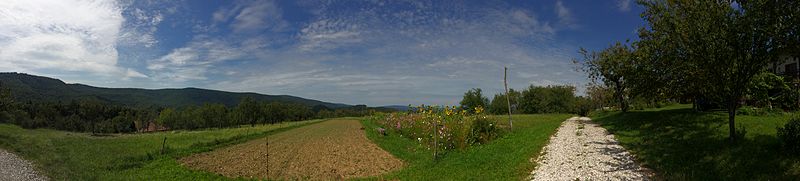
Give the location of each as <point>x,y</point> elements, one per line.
<point>508,97</point>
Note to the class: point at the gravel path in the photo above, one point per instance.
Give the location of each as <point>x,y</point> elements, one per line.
<point>583,150</point>
<point>12,167</point>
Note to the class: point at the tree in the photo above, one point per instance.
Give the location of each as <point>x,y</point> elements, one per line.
<point>612,67</point>
<point>499,104</point>
<point>473,98</point>
<point>549,99</point>
<point>167,117</point>
<point>718,46</point>
<point>247,111</point>
<point>6,104</point>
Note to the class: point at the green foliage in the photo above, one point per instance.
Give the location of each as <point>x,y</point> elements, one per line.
<point>583,106</point>
<point>789,99</point>
<point>484,129</point>
<point>499,104</point>
<point>765,88</point>
<point>789,135</point>
<point>550,99</point>
<point>701,50</point>
<point>473,98</point>
<point>612,67</point>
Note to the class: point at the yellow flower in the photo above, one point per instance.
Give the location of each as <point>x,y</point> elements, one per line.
<point>478,110</point>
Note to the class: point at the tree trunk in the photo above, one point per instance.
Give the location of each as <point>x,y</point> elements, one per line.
<point>621,99</point>
<point>731,120</point>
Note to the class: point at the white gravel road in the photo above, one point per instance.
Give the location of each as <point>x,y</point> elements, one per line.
<point>582,150</point>
<point>13,167</point>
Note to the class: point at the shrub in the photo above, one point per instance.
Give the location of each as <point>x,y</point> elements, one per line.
<point>790,135</point>
<point>483,130</point>
<point>746,110</point>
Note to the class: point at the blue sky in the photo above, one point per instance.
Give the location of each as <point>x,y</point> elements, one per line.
<point>354,52</point>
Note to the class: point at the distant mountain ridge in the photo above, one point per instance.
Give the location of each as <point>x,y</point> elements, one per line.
<point>397,107</point>
<point>26,87</point>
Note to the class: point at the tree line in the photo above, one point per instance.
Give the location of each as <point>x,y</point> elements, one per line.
<point>91,115</point>
<point>531,100</point>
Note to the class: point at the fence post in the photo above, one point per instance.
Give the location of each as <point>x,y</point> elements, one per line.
<point>508,97</point>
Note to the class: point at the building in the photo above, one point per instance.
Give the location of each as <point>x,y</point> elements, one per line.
<point>786,66</point>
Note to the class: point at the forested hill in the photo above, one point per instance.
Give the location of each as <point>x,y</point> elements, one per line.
<point>25,87</point>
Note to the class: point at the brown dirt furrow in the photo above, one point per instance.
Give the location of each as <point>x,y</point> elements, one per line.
<point>331,150</point>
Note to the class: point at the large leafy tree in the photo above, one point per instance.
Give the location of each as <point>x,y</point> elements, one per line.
<point>612,67</point>
<point>716,47</point>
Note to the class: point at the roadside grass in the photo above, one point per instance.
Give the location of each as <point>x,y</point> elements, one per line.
<point>505,158</point>
<point>80,156</point>
<point>681,144</point>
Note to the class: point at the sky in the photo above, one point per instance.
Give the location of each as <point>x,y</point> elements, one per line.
<point>369,52</point>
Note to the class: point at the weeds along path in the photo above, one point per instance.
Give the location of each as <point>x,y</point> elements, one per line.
<point>13,167</point>
<point>331,150</point>
<point>583,150</point>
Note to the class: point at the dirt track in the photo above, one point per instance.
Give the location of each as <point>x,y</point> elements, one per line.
<point>335,149</point>
<point>12,167</point>
<point>582,150</point>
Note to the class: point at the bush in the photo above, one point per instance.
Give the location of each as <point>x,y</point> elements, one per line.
<point>788,100</point>
<point>441,128</point>
<point>483,130</point>
<point>746,111</point>
<point>790,135</point>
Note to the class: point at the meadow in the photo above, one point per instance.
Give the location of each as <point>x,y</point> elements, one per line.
<point>682,144</point>
<point>80,156</point>
<point>507,157</point>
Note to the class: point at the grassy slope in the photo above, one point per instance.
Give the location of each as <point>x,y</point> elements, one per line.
<point>680,144</point>
<point>506,158</point>
<point>78,156</point>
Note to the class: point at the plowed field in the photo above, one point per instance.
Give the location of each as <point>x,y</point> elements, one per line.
<point>334,149</point>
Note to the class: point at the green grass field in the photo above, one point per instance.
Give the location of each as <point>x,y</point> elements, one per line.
<point>506,158</point>
<point>681,144</point>
<point>79,156</point>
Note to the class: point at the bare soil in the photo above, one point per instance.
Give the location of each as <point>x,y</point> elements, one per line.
<point>331,150</point>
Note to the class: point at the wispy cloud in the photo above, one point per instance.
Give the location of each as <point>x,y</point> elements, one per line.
<point>624,5</point>
<point>252,16</point>
<point>373,52</point>
<point>564,15</point>
<point>432,55</point>
<point>194,61</point>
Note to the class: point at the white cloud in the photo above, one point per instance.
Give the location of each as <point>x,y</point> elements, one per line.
<point>78,36</point>
<point>326,34</point>
<point>252,16</point>
<point>378,54</point>
<point>193,61</point>
<point>564,15</point>
<point>624,5</point>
